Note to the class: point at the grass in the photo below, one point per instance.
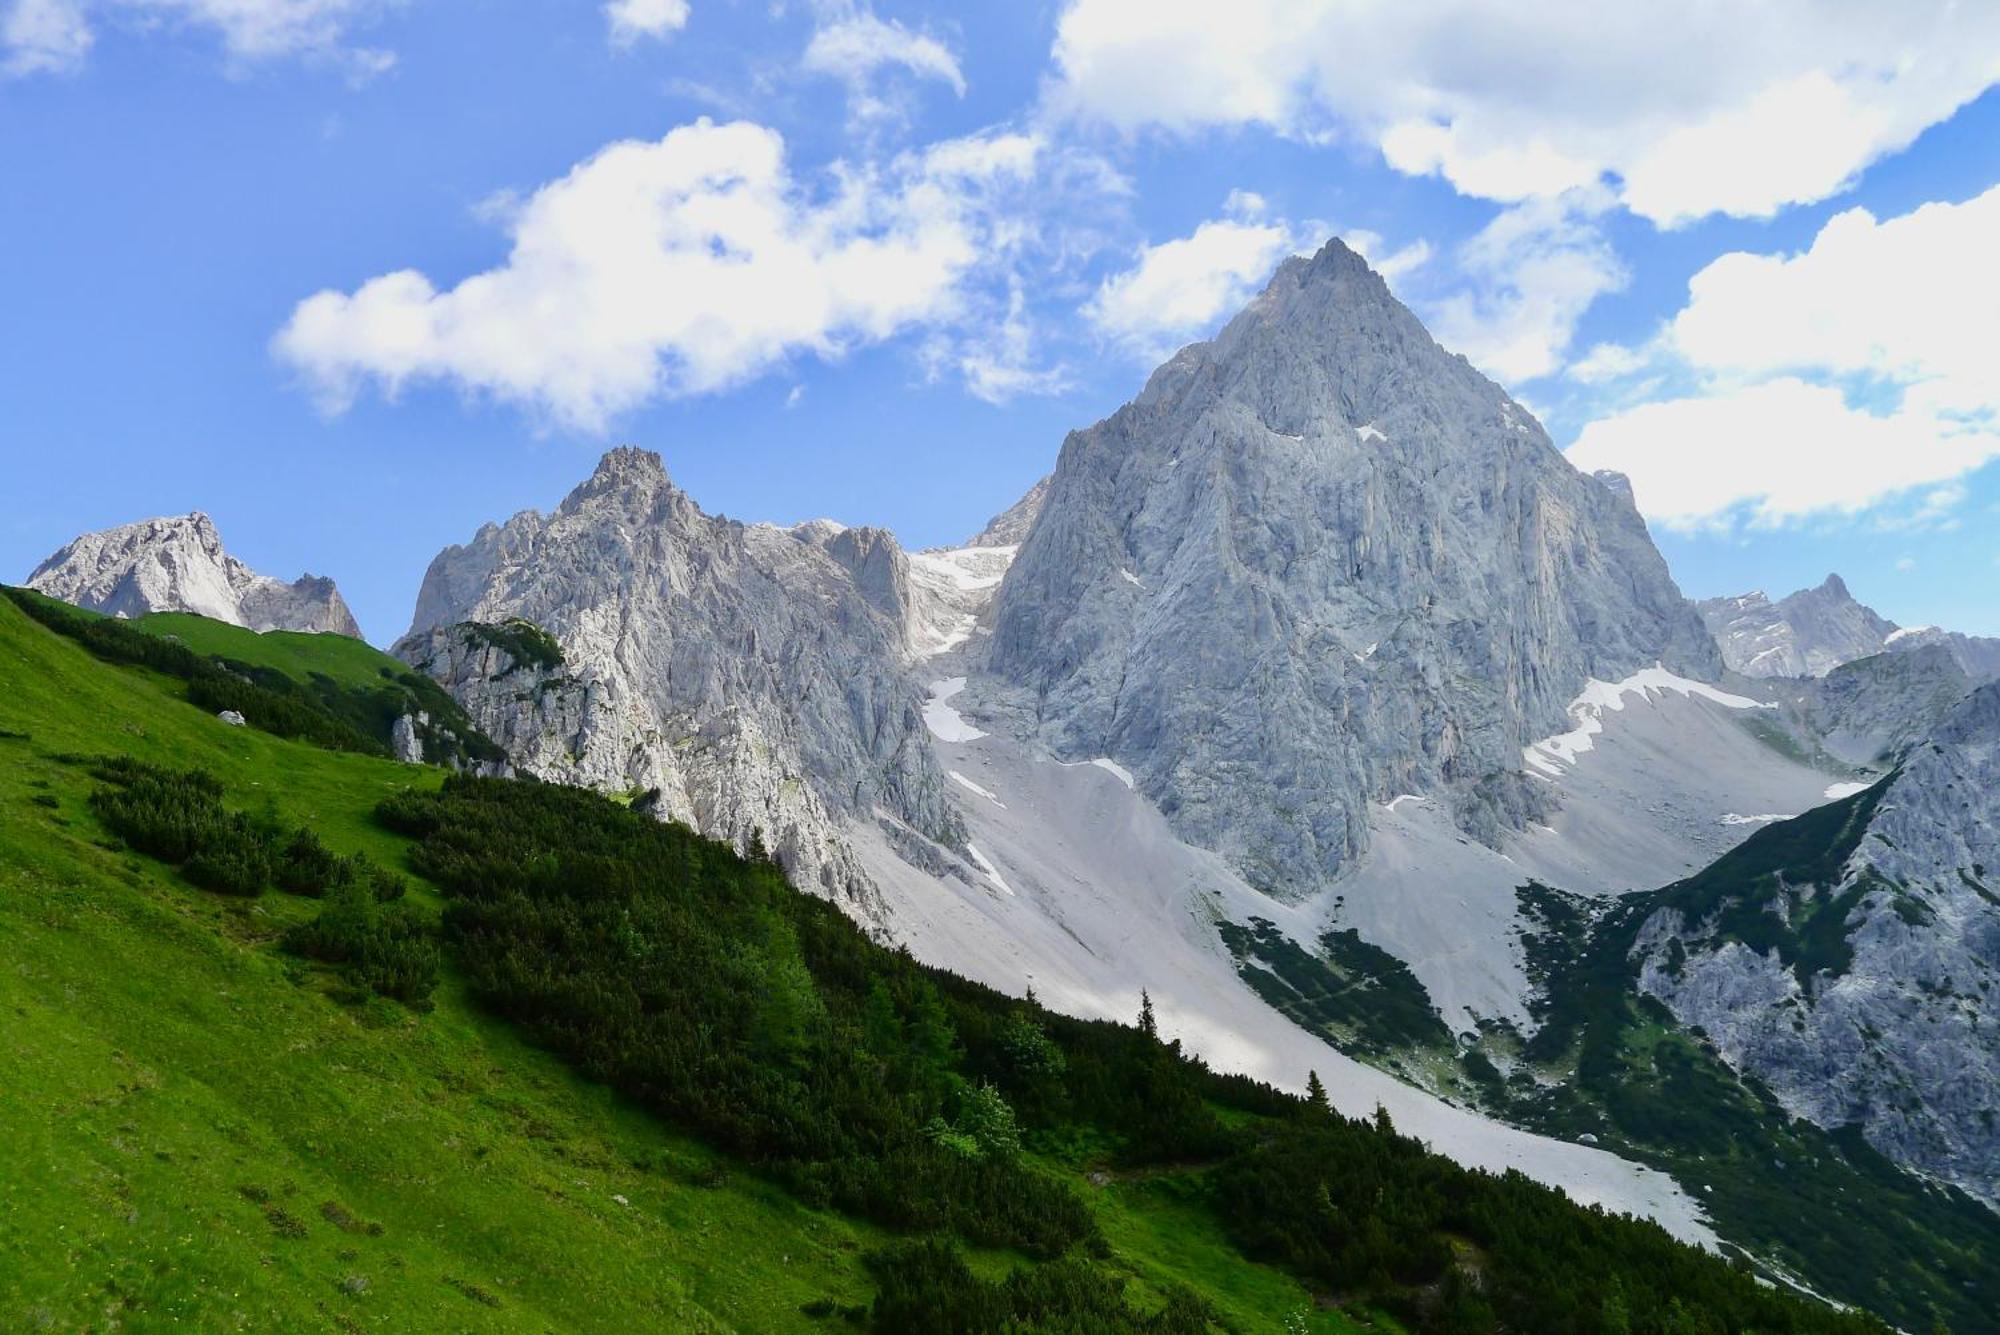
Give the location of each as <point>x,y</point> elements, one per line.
<point>300,655</point>
<point>196,1131</point>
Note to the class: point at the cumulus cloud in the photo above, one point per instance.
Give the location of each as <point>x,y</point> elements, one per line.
<point>675,267</point>
<point>631,20</point>
<point>1183,287</point>
<point>53,36</point>
<point>1531,273</point>
<point>1835,379</point>
<point>1908,301</point>
<point>1772,452</point>
<point>1685,109</point>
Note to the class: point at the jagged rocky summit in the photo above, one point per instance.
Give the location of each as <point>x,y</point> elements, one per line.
<point>753,675</point>
<point>1813,631</point>
<point>177,564</point>
<point>1317,562</point>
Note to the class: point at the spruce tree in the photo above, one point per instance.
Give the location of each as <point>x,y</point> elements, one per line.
<point>1148,1026</point>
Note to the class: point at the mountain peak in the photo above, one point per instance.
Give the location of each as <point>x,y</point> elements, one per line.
<point>1834,586</point>
<point>630,463</point>
<point>177,563</point>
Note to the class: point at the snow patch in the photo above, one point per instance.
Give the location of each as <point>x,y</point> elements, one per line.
<point>1130,578</point>
<point>1836,791</point>
<point>992,872</point>
<point>1552,755</point>
<point>1731,818</point>
<point>947,724</point>
<point>1395,802</point>
<point>1906,632</point>
<point>1112,767</point>
<point>1369,432</point>
<point>972,787</point>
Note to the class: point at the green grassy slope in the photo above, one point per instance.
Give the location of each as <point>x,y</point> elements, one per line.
<point>180,1104</point>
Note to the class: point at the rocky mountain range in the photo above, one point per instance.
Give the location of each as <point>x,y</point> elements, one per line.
<point>177,564</point>
<point>1318,639</point>
<point>1813,631</point>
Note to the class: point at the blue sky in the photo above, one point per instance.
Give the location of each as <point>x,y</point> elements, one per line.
<point>872,262</point>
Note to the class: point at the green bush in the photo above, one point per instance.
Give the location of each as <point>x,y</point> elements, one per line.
<point>391,951</point>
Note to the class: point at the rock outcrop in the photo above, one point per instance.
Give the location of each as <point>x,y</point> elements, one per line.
<point>1858,978</point>
<point>753,675</point>
<point>1813,631</point>
<point>177,564</point>
<point>1869,711</point>
<point>1010,527</point>
<point>1317,562</point>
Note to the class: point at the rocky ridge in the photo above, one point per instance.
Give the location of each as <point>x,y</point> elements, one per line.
<point>1866,995</point>
<point>753,675</point>
<point>1813,631</point>
<point>178,564</point>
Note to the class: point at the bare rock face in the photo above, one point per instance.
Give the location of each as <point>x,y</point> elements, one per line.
<point>1806,634</point>
<point>1813,631</point>
<point>1868,712</point>
<point>1320,561</point>
<point>178,564</point>
<point>1887,1021</point>
<point>753,675</point>
<point>1010,527</point>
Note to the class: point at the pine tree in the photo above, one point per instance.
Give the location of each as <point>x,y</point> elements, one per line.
<point>1148,1026</point>
<point>1316,1093</point>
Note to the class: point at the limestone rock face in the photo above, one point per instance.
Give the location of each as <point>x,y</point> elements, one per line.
<point>1010,526</point>
<point>753,675</point>
<point>1869,711</point>
<point>1321,561</point>
<point>1813,631</point>
<point>1895,1032</point>
<point>177,564</point>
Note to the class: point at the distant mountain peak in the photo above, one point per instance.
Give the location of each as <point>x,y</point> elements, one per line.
<point>1813,631</point>
<point>177,563</point>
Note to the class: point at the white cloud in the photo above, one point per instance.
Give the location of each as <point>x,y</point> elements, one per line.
<point>1001,365</point>
<point>854,47</point>
<point>52,36</point>
<point>675,267</point>
<point>1835,379</point>
<point>43,37</point>
<point>1533,271</point>
<point>1688,109</point>
<point>1607,362</point>
<point>1371,246</point>
<point>1909,301</point>
<point>1772,453</point>
<point>631,20</point>
<point>1182,287</point>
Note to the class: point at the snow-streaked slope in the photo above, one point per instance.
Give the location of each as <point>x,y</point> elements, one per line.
<point>1649,786</point>
<point>950,591</point>
<point>1076,886</point>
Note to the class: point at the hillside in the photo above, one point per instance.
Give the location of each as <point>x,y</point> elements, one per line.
<point>215,1131</point>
